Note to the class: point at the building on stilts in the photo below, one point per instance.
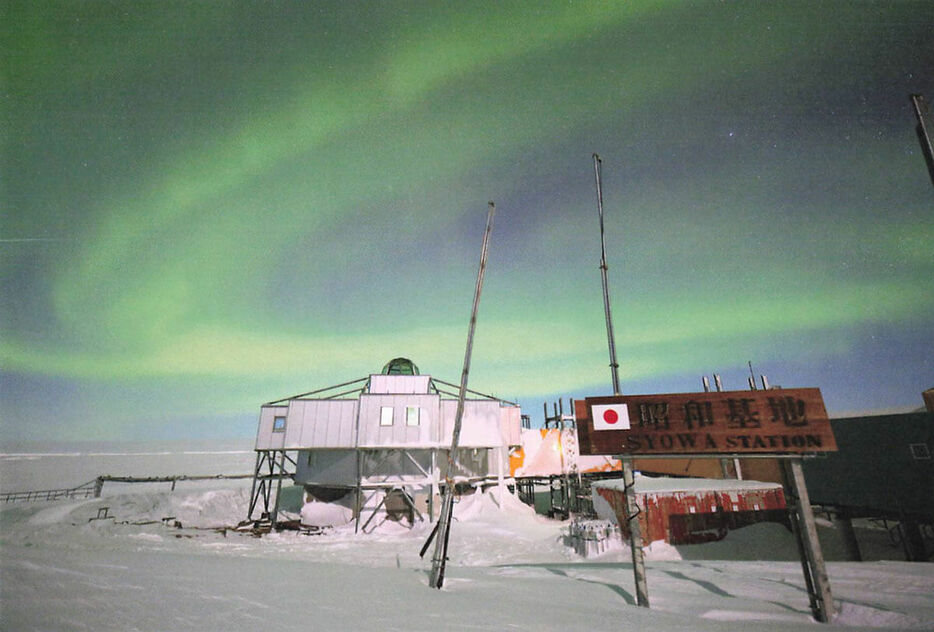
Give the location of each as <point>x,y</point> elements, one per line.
<point>375,448</point>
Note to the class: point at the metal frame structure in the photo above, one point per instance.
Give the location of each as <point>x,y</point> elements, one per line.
<point>567,490</point>
<point>367,489</point>
<point>270,466</point>
<point>363,384</point>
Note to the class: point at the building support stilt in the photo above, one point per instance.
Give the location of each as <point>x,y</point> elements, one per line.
<point>266,471</point>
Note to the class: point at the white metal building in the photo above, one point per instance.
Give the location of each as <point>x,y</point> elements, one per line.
<point>379,444</point>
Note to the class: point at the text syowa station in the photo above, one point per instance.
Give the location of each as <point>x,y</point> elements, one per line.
<point>790,421</point>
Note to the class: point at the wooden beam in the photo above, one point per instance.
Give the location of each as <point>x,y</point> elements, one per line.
<point>814,557</point>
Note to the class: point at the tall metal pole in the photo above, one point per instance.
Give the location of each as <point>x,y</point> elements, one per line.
<point>443,530</point>
<point>614,366</point>
<point>632,509</point>
<point>925,129</point>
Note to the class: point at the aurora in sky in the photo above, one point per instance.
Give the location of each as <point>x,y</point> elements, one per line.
<point>206,206</point>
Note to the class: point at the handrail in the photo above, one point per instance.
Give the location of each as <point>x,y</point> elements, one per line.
<point>92,489</point>
<point>85,490</point>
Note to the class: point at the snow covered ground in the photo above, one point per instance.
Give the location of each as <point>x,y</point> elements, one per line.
<point>509,568</point>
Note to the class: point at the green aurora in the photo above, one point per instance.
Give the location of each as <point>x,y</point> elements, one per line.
<point>211,205</point>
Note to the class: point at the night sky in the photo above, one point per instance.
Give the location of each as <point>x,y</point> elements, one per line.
<point>206,206</point>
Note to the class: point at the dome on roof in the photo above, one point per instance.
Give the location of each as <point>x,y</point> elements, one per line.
<point>400,366</point>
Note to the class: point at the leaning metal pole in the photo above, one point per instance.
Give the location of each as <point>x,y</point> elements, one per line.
<point>632,509</point>
<point>439,559</point>
<point>614,365</point>
<point>925,129</point>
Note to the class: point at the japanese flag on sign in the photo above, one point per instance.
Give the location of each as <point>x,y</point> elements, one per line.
<point>610,417</point>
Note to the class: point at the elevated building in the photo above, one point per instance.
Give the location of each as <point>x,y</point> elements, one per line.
<point>379,445</point>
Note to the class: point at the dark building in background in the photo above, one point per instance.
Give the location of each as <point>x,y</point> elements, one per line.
<point>883,469</point>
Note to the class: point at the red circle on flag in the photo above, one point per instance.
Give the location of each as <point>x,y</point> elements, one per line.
<point>610,416</point>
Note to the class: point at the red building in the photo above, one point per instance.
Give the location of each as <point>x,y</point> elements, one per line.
<point>691,510</point>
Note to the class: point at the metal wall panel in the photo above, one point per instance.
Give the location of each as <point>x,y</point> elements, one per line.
<point>480,426</point>
<point>266,439</point>
<point>295,426</point>
<point>397,466</point>
<point>326,467</point>
<point>372,434</point>
<point>398,384</point>
<point>347,429</point>
<point>511,425</point>
<point>333,423</point>
<point>318,423</point>
<point>876,467</point>
<point>697,515</point>
<point>321,423</point>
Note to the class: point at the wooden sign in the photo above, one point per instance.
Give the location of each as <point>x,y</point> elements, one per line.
<point>778,421</point>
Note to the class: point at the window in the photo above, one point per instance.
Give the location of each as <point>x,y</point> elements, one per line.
<point>920,451</point>
<point>412,415</point>
<point>278,424</point>
<point>385,416</point>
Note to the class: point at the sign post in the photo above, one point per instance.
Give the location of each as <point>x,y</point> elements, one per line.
<point>812,559</point>
<point>780,423</point>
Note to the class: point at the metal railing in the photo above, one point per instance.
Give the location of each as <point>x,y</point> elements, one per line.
<point>86,490</point>
<point>92,489</point>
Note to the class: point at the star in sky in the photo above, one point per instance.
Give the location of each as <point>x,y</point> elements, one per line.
<point>210,205</point>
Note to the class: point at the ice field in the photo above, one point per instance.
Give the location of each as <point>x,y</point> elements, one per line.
<point>509,568</point>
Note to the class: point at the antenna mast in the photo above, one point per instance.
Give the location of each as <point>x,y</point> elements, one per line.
<point>614,365</point>
<point>925,129</point>
<point>442,529</point>
<point>632,509</point>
